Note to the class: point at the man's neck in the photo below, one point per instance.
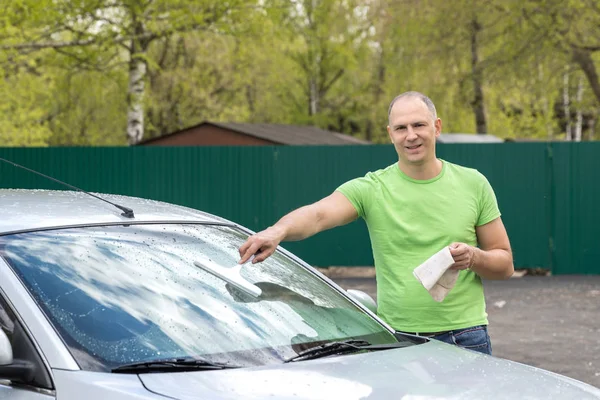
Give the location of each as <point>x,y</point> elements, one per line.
<point>422,172</point>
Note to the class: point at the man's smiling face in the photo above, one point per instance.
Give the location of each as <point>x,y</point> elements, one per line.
<point>413,130</point>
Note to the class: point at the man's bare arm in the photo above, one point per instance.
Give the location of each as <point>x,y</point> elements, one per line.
<point>493,259</point>
<point>329,212</point>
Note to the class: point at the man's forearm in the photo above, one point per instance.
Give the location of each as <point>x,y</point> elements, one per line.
<point>493,264</point>
<point>298,224</point>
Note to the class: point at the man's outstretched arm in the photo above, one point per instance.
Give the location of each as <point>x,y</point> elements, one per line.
<point>329,212</point>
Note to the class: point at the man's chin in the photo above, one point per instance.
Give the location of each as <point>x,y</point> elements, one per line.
<point>414,159</point>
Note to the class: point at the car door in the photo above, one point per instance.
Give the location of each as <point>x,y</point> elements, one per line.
<point>40,386</point>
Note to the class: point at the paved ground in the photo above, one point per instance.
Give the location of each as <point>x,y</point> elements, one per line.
<point>548,322</point>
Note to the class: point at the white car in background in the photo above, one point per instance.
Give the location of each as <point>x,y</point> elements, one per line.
<point>142,302</point>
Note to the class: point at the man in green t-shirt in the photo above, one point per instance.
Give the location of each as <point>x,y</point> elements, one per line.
<point>413,209</point>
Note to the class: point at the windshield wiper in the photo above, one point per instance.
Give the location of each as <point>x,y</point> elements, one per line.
<point>344,346</point>
<point>170,364</point>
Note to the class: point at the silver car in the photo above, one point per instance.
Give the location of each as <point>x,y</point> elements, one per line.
<point>140,299</point>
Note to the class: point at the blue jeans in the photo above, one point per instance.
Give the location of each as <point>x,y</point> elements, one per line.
<point>475,338</point>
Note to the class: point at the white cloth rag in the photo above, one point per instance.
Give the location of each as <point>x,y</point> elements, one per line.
<point>435,276</point>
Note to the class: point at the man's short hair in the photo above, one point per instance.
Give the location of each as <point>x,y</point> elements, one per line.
<point>418,95</point>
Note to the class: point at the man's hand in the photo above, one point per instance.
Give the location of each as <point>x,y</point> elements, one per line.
<point>261,245</point>
<point>464,256</point>
<point>492,259</point>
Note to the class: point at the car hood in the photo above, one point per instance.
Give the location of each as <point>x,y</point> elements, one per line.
<point>427,371</point>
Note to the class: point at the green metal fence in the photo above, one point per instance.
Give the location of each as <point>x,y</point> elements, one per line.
<point>548,192</point>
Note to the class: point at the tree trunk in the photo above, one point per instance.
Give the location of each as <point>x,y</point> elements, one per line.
<point>313,101</point>
<point>579,120</point>
<point>546,104</point>
<point>314,61</point>
<point>566,105</point>
<point>583,58</point>
<point>478,103</point>
<point>137,82</point>
<point>369,130</point>
<point>135,97</point>
<point>250,99</point>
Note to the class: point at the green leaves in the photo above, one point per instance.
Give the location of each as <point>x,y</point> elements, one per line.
<point>337,64</point>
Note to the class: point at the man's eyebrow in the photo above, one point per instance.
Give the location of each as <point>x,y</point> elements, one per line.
<point>412,123</point>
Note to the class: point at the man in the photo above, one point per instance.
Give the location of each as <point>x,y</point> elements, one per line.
<point>413,209</point>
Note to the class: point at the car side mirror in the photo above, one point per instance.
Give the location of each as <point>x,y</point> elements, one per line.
<point>364,299</point>
<point>6,354</point>
<point>14,370</point>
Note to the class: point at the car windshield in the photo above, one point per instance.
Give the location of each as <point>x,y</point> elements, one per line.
<point>132,293</point>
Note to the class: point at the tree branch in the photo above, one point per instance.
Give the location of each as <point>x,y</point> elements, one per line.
<point>585,62</point>
<point>586,48</point>
<point>147,36</point>
<point>48,45</point>
<point>325,88</point>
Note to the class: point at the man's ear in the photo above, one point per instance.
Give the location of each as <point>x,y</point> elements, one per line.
<point>389,130</point>
<point>438,127</point>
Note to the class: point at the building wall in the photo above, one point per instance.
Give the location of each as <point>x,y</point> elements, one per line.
<point>208,135</point>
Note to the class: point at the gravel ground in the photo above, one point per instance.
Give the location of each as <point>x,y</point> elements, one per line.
<point>551,322</point>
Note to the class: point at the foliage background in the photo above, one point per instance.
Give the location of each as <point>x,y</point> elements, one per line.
<point>95,72</point>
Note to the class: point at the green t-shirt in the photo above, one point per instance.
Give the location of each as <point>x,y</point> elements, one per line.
<point>409,220</point>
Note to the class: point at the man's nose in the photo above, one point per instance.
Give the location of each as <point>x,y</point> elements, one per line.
<point>411,134</point>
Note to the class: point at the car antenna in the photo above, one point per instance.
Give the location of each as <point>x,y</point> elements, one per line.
<point>127,212</point>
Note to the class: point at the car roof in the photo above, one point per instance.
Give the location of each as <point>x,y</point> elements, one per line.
<point>30,209</point>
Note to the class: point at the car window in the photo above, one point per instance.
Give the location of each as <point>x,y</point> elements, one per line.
<point>124,294</point>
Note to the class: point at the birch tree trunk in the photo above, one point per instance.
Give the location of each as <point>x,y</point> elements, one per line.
<point>135,97</point>
<point>579,121</point>
<point>566,105</point>
<point>137,80</point>
<point>546,104</point>
<point>313,94</point>
<point>314,65</point>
